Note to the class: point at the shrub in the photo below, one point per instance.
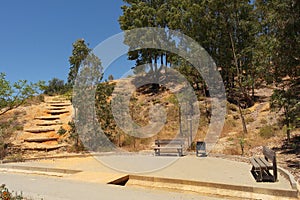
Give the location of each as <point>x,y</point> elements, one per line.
<point>128,140</point>
<point>172,99</point>
<point>15,157</point>
<point>231,122</point>
<point>2,150</point>
<point>5,194</point>
<point>267,131</point>
<point>193,146</point>
<point>263,121</point>
<point>55,87</point>
<point>61,131</point>
<point>19,127</point>
<point>250,119</point>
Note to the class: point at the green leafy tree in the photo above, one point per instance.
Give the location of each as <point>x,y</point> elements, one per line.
<point>14,95</point>
<point>55,86</point>
<point>252,43</point>
<point>103,109</point>
<point>84,99</point>
<point>139,14</point>
<point>79,53</point>
<point>280,28</point>
<point>288,101</point>
<point>225,29</point>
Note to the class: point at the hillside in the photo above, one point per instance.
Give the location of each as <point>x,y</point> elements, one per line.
<point>37,126</point>
<point>263,125</point>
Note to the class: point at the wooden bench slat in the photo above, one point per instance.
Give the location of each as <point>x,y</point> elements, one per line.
<point>167,148</point>
<point>165,142</point>
<point>261,163</point>
<point>266,163</point>
<point>254,163</point>
<point>167,145</point>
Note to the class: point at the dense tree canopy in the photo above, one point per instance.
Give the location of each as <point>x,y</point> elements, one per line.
<point>252,42</point>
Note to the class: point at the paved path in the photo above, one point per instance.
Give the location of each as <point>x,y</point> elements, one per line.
<point>47,188</point>
<point>103,169</point>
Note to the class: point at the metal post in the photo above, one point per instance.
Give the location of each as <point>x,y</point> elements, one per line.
<point>180,125</point>
<point>191,130</point>
<point>190,138</point>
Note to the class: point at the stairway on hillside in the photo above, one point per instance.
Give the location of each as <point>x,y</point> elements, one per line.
<point>40,132</point>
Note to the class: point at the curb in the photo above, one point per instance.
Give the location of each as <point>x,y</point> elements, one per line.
<point>82,155</point>
<point>40,169</point>
<point>266,191</point>
<point>289,177</point>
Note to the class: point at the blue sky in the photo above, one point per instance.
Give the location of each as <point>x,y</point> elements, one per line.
<point>36,36</point>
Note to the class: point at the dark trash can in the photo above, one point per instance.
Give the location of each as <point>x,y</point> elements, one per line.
<point>201,149</point>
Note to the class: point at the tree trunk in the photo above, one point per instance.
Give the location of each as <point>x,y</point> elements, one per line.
<point>239,84</point>
<point>288,131</point>
<point>242,118</point>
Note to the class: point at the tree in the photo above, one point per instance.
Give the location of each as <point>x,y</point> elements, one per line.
<point>89,76</point>
<point>252,42</point>
<point>14,95</point>
<point>110,77</point>
<point>79,53</point>
<point>225,30</point>
<point>55,86</point>
<point>103,109</point>
<point>149,13</point>
<point>287,99</point>
<point>281,24</point>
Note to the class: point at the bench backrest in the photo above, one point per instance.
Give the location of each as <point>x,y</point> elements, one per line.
<point>169,142</point>
<point>270,156</point>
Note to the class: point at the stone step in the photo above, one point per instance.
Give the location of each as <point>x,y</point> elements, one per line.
<point>57,112</point>
<point>43,147</point>
<point>40,139</point>
<point>49,123</point>
<point>55,108</point>
<point>60,104</point>
<point>47,118</point>
<point>39,130</point>
<point>55,102</point>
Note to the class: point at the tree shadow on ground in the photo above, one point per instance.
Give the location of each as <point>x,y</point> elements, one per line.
<point>291,148</point>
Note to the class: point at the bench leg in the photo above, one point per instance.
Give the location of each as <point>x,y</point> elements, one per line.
<point>258,174</point>
<point>254,173</point>
<point>275,174</point>
<point>180,152</point>
<point>158,152</point>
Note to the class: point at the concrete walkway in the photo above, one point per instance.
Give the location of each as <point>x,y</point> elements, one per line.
<point>204,175</point>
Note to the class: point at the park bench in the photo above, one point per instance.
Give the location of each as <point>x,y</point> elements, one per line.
<point>261,166</point>
<point>169,146</point>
